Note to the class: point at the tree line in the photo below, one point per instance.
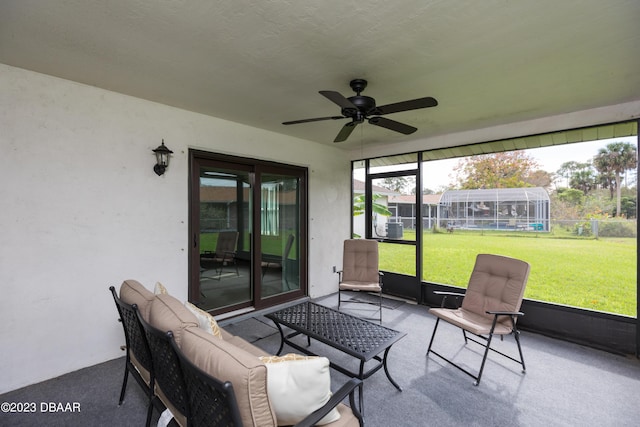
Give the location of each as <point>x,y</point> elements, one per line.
<point>576,188</point>
<point>515,169</point>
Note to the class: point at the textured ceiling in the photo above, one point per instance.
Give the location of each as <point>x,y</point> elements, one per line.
<point>263,62</point>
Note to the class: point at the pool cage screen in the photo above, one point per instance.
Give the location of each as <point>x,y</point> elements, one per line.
<point>522,209</point>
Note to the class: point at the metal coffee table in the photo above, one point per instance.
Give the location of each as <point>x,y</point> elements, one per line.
<point>352,335</point>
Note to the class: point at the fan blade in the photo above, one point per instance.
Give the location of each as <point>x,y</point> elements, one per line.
<point>337,98</point>
<point>413,104</point>
<point>317,119</point>
<point>392,125</point>
<point>345,132</point>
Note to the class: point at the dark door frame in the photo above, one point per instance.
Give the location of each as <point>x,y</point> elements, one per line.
<point>256,168</point>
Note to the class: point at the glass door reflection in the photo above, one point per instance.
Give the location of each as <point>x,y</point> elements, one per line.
<point>279,233</point>
<point>225,244</point>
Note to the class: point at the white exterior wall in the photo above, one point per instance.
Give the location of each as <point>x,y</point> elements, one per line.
<point>82,210</point>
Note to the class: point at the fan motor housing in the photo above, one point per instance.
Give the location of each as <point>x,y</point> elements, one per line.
<point>365,104</point>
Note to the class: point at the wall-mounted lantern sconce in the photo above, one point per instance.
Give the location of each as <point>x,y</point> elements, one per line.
<point>162,159</point>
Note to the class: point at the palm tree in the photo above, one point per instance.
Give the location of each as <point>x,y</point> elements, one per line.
<point>378,208</point>
<point>616,158</point>
<point>584,180</point>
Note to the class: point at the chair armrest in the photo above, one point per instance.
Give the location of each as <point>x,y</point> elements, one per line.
<point>448,294</point>
<point>506,313</point>
<point>348,389</point>
<point>455,294</point>
<point>339,273</point>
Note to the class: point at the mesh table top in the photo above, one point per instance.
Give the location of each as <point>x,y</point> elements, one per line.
<point>358,337</point>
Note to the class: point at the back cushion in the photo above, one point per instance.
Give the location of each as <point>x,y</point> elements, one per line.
<point>497,283</point>
<point>132,292</point>
<point>169,314</point>
<point>360,261</point>
<point>226,362</point>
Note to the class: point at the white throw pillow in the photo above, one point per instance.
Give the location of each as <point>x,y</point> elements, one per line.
<point>160,289</point>
<point>298,385</point>
<point>206,322</point>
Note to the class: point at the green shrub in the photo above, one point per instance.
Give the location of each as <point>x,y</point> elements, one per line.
<point>617,229</point>
<point>582,228</point>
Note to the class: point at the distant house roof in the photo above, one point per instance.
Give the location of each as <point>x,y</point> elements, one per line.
<point>427,199</point>
<point>358,187</point>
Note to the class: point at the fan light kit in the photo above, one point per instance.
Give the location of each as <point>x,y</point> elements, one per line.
<point>359,108</point>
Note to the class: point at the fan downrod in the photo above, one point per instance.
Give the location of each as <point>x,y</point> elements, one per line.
<point>358,85</point>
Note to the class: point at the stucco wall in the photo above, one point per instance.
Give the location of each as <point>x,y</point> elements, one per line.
<point>82,209</point>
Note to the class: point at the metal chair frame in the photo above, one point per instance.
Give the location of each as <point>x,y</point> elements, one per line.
<point>166,368</point>
<point>136,342</point>
<point>486,343</point>
<point>212,403</point>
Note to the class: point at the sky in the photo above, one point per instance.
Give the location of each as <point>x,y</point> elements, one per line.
<point>437,173</point>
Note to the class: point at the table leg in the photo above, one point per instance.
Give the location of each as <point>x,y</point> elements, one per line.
<point>281,338</point>
<point>361,388</point>
<point>386,369</point>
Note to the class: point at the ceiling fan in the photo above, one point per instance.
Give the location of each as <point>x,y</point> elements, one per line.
<point>359,108</point>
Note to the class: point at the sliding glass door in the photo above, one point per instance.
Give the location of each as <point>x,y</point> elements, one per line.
<point>247,228</point>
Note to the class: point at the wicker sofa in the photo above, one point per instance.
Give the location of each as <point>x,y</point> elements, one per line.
<point>226,357</point>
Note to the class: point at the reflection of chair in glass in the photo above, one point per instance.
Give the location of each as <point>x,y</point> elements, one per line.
<point>225,254</point>
<point>490,306</point>
<point>360,271</point>
<point>282,263</point>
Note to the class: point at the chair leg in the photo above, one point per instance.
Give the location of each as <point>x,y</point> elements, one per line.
<point>435,328</point>
<point>149,412</point>
<point>516,335</point>
<point>484,359</point>
<point>151,397</point>
<point>339,298</point>
<point>124,382</point>
<point>380,306</point>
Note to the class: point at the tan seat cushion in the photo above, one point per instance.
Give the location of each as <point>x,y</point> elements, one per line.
<point>180,418</point>
<point>132,292</point>
<point>243,344</point>
<point>169,314</point>
<point>248,347</point>
<point>360,286</point>
<point>347,419</point>
<point>143,372</point>
<point>227,362</point>
<point>471,322</point>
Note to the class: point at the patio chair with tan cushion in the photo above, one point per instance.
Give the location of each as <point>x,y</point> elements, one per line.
<point>490,306</point>
<point>360,272</point>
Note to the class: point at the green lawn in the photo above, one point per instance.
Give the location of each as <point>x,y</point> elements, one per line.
<point>587,273</point>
